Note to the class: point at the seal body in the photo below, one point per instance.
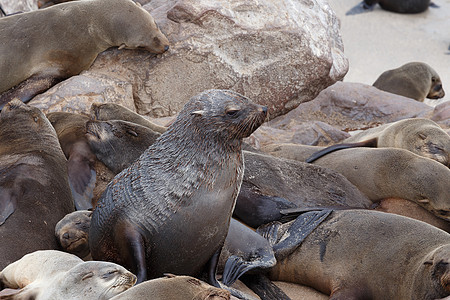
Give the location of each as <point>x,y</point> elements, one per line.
<point>401,6</point>
<point>63,40</point>
<point>174,287</point>
<point>415,80</point>
<point>49,275</point>
<point>180,194</point>
<point>360,254</point>
<point>118,143</point>
<point>35,192</point>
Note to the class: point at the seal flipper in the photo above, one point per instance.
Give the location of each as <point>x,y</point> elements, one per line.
<point>8,203</point>
<point>29,88</point>
<point>82,182</point>
<point>264,287</point>
<point>2,12</point>
<point>132,249</point>
<point>361,8</point>
<point>212,268</point>
<point>369,143</point>
<point>434,5</point>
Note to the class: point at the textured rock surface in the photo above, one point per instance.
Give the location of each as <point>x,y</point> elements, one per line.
<point>278,53</point>
<point>353,106</point>
<point>14,6</point>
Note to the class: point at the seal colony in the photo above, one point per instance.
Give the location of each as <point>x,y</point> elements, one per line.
<point>51,53</point>
<point>190,175</point>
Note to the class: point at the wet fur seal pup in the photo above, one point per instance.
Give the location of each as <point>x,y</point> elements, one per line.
<point>71,131</point>
<point>59,276</point>
<point>118,143</point>
<point>361,254</point>
<point>114,111</point>
<point>85,28</point>
<point>72,233</point>
<point>173,287</point>
<point>415,80</point>
<point>195,169</point>
<point>35,192</point>
<point>421,136</point>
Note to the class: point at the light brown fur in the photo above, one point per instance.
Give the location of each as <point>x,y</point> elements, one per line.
<point>361,254</point>
<point>63,40</point>
<point>414,80</point>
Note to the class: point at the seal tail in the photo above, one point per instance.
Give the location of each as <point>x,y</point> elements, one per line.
<point>369,143</point>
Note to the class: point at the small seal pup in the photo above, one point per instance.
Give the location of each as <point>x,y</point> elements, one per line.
<point>58,275</point>
<point>190,175</point>
<point>71,131</point>
<point>118,143</point>
<point>72,233</point>
<point>421,136</point>
<point>415,80</point>
<point>400,6</point>
<point>362,254</point>
<point>114,111</point>
<point>173,287</point>
<point>34,187</point>
<point>83,30</point>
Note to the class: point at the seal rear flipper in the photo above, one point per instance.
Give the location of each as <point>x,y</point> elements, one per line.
<point>29,88</point>
<point>369,143</point>
<point>8,203</point>
<point>434,5</point>
<point>269,232</point>
<point>298,231</point>
<point>264,287</point>
<point>234,268</point>
<point>360,8</point>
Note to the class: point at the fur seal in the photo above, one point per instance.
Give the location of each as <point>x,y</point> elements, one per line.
<point>362,254</point>
<point>113,111</point>
<point>173,287</point>
<point>418,135</point>
<point>59,276</point>
<point>71,131</point>
<point>381,173</point>
<point>195,166</point>
<point>35,192</point>
<point>415,80</point>
<point>72,232</point>
<point>400,6</point>
<point>85,28</point>
<point>118,143</point>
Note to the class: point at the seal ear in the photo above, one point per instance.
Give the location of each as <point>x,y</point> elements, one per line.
<point>198,112</point>
<point>422,136</point>
<point>138,4</point>
<point>122,46</point>
<point>170,275</point>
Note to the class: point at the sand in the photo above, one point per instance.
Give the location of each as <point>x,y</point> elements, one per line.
<point>379,40</point>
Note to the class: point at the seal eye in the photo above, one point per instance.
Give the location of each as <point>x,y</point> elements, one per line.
<point>232,112</point>
<point>132,132</point>
<point>35,119</point>
<point>110,273</point>
<point>433,79</point>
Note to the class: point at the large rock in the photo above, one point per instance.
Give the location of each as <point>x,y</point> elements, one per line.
<point>353,106</point>
<point>278,53</point>
<point>15,6</point>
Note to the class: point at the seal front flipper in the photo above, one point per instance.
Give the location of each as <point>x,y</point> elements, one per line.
<point>82,182</point>
<point>8,203</point>
<point>298,231</point>
<point>264,287</point>
<point>369,143</point>
<point>27,89</point>
<point>132,249</point>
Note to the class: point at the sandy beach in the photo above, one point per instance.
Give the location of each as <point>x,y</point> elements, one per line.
<point>380,40</point>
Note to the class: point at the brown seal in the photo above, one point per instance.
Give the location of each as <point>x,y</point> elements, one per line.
<point>192,174</point>
<point>382,173</point>
<point>118,143</point>
<point>113,111</point>
<point>400,6</point>
<point>414,80</point>
<point>419,135</point>
<point>173,287</point>
<point>71,131</point>
<point>362,254</point>
<point>72,233</point>
<point>35,192</point>
<point>59,275</point>
<point>83,30</point>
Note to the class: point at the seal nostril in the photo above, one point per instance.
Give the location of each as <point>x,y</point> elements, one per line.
<point>66,235</point>
<point>264,109</point>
